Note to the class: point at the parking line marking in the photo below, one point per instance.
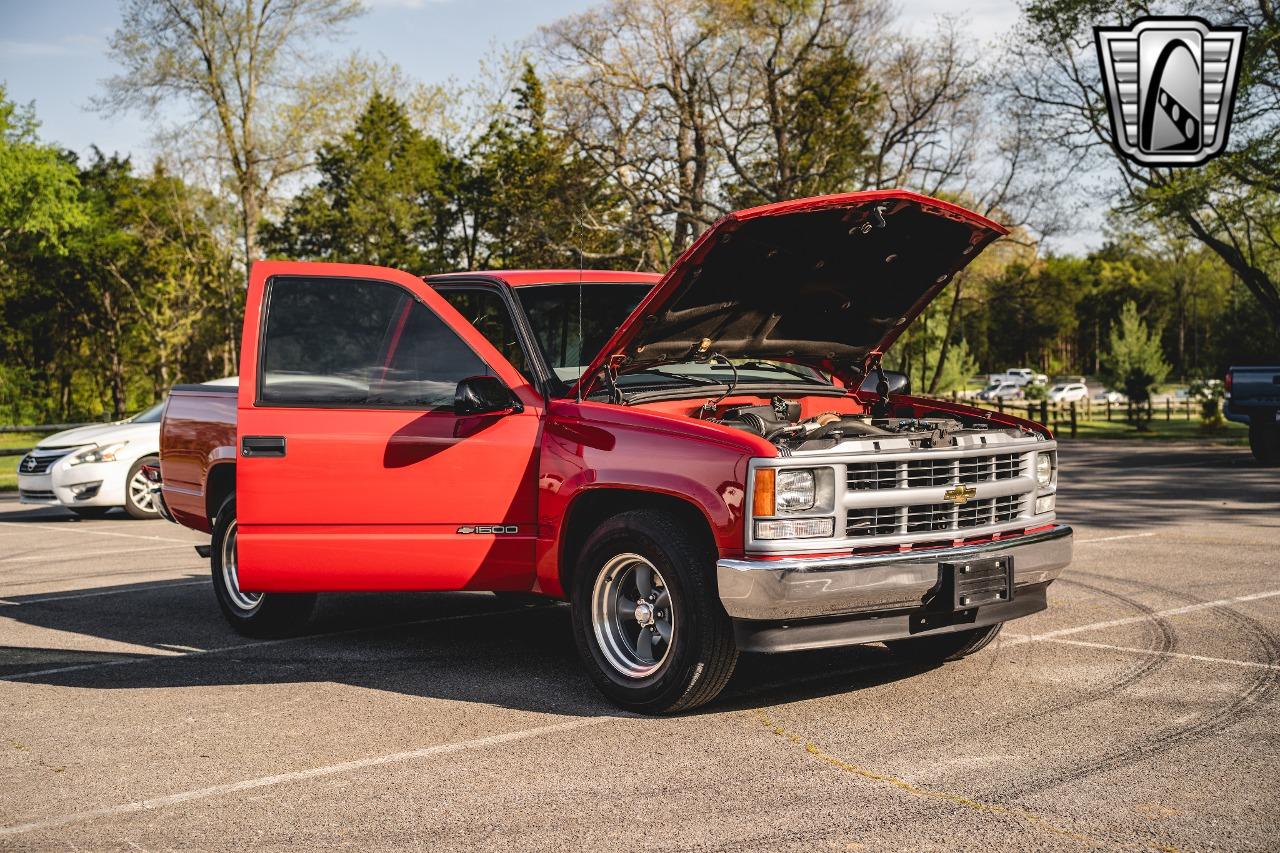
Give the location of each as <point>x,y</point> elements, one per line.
<point>1025,638</point>
<point>103,592</point>
<point>59,528</point>
<point>19,676</point>
<point>91,554</point>
<point>300,775</point>
<point>1114,538</point>
<point>1146,617</point>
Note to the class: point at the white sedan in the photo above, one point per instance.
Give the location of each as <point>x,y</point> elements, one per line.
<point>1068,392</point>
<point>91,469</point>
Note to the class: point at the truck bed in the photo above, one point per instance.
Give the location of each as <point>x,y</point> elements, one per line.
<point>1253,392</point>
<point>198,432</point>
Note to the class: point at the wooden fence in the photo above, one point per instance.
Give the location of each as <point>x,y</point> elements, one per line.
<point>1060,416</point>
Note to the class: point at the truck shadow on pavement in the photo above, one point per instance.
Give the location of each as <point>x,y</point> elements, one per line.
<point>467,647</point>
<point>1140,487</point>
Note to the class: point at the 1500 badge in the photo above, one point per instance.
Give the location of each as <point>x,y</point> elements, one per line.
<point>494,529</point>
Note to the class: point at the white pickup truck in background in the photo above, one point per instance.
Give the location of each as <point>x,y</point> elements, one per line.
<point>1018,376</point>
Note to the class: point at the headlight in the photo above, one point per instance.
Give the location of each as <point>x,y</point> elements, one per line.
<point>796,490</point>
<point>107,453</point>
<point>1044,469</point>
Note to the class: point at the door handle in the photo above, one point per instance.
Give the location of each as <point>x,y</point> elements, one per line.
<point>262,445</point>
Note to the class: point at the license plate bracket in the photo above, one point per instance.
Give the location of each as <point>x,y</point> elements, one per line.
<point>973,583</point>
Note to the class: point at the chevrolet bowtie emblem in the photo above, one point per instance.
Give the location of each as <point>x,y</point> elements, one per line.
<point>959,494</point>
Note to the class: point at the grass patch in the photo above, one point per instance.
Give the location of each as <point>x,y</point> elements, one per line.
<point>1158,430</point>
<point>9,474</point>
<point>19,440</point>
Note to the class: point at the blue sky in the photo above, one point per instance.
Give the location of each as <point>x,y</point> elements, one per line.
<point>54,52</point>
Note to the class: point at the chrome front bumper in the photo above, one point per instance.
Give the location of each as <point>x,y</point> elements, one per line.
<point>799,588</point>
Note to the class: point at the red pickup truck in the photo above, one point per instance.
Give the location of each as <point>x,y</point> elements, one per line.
<point>703,463</point>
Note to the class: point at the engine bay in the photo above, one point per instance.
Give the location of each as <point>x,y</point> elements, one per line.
<point>780,423</point>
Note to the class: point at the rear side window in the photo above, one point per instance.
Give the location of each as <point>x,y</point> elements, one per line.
<point>353,343</point>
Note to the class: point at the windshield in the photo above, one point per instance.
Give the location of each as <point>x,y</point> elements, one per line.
<point>1057,388</point>
<point>569,337</point>
<point>149,416</point>
<point>553,312</point>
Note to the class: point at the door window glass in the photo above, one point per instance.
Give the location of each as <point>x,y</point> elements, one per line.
<point>484,309</point>
<point>347,342</point>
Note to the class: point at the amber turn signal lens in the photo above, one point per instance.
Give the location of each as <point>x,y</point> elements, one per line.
<point>762,502</point>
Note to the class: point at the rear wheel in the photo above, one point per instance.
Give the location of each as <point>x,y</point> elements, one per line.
<point>648,624</point>
<point>253,614</point>
<point>138,500</point>
<point>945,647</point>
<point>1264,440</point>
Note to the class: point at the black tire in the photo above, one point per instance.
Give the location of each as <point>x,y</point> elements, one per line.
<point>275,614</point>
<point>944,647</point>
<point>699,656</point>
<point>1264,440</point>
<point>90,511</point>
<point>136,510</point>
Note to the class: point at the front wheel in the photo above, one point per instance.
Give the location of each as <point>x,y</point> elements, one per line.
<point>944,647</point>
<point>139,502</point>
<point>253,614</point>
<point>647,621</point>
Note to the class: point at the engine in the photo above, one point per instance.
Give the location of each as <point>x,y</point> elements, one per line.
<point>781,424</point>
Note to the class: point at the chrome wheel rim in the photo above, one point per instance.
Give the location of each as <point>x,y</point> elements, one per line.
<point>245,602</point>
<point>631,614</point>
<point>140,493</point>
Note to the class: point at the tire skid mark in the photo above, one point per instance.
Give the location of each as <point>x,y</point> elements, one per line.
<point>1166,641</point>
<point>1028,818</point>
<point>1250,701</point>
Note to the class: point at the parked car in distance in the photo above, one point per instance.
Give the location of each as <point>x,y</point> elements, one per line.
<point>1019,376</point>
<point>1252,396</point>
<point>1069,392</point>
<point>1112,397</point>
<point>1002,391</point>
<point>92,469</point>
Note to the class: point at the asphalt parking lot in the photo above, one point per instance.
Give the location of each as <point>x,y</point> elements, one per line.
<point>1138,713</point>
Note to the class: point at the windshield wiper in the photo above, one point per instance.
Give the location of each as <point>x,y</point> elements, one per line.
<point>777,368</point>
<point>692,380</point>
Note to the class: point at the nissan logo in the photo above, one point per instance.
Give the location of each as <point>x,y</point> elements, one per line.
<point>29,464</point>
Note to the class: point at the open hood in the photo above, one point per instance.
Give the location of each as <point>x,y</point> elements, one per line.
<point>828,282</point>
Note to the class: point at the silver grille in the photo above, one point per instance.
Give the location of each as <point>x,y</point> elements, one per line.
<point>931,473</point>
<point>904,497</point>
<point>40,461</point>
<point>928,518</point>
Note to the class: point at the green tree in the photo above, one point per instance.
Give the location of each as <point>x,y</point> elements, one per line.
<point>248,73</point>
<point>1230,205</point>
<point>1135,361</point>
<point>384,197</point>
<point>37,184</point>
<point>531,201</point>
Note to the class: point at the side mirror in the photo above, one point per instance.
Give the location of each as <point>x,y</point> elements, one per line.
<point>899,383</point>
<point>484,395</point>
